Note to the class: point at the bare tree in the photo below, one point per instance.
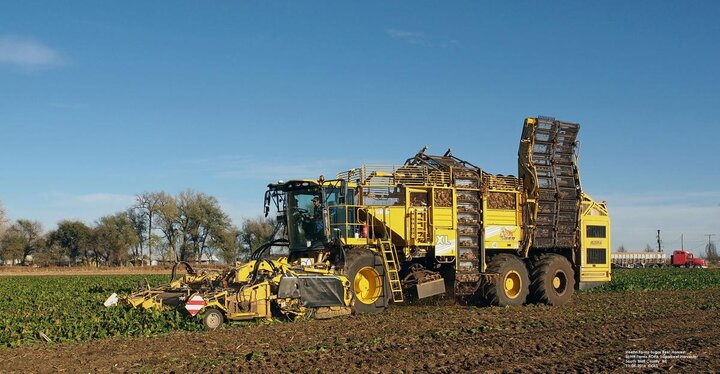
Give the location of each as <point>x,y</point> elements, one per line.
<point>192,225</point>
<point>49,255</point>
<point>137,218</point>
<point>114,236</point>
<point>168,221</point>
<point>200,219</point>
<point>22,239</point>
<point>228,245</point>
<point>11,247</point>
<point>648,248</point>
<point>621,248</point>
<point>4,220</point>
<point>256,232</point>
<point>149,203</point>
<point>188,207</point>
<point>73,238</point>
<point>711,253</point>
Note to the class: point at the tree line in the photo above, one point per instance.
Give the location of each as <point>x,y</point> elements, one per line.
<point>159,227</point>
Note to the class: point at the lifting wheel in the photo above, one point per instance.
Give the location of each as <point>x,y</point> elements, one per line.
<point>212,319</point>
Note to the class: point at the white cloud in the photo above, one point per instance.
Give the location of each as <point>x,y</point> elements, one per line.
<point>395,33</point>
<point>419,38</point>
<point>28,53</point>
<point>412,37</point>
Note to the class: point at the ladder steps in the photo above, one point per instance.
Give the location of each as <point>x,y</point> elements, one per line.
<point>390,259</point>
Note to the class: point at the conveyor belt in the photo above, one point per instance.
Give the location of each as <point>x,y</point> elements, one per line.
<point>548,166</point>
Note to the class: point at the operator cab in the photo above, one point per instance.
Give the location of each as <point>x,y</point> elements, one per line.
<point>297,203</point>
<point>314,213</point>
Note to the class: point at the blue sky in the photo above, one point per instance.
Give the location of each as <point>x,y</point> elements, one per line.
<point>100,101</point>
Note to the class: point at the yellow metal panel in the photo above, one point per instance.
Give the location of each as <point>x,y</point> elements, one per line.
<point>356,241</point>
<point>505,217</point>
<point>443,217</point>
<point>393,217</point>
<point>594,272</point>
<point>595,276</point>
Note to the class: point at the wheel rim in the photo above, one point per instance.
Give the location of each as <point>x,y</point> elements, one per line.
<point>367,285</point>
<point>213,320</point>
<point>559,282</point>
<point>513,284</point>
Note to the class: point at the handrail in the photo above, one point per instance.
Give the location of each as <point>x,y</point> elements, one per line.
<point>393,175</point>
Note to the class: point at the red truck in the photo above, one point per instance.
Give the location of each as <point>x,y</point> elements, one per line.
<point>685,259</point>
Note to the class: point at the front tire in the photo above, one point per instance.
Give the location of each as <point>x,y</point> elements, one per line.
<point>368,283</point>
<point>511,288</point>
<point>212,319</point>
<point>553,280</point>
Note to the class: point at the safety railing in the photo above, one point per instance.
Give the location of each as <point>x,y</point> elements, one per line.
<point>355,221</point>
<point>392,175</point>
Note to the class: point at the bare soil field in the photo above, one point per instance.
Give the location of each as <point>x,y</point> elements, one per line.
<point>593,333</point>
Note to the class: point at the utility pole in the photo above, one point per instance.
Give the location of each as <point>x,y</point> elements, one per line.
<point>659,242</point>
<point>709,238</point>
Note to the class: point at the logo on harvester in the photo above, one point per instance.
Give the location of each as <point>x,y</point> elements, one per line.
<point>444,246</point>
<point>195,304</point>
<point>508,233</point>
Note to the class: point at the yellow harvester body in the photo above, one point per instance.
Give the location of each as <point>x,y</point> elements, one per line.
<point>435,224</point>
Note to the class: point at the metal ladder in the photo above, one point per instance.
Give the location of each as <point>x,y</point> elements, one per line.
<point>390,259</point>
<point>420,223</point>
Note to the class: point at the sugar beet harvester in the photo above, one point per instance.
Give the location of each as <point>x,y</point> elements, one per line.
<point>435,224</point>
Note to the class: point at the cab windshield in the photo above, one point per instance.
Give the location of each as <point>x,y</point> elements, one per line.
<point>305,221</point>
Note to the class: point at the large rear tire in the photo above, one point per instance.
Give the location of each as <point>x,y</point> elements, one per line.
<point>512,287</point>
<point>368,283</point>
<point>553,280</point>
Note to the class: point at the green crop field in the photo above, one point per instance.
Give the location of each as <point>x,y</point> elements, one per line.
<point>660,279</point>
<point>69,308</point>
